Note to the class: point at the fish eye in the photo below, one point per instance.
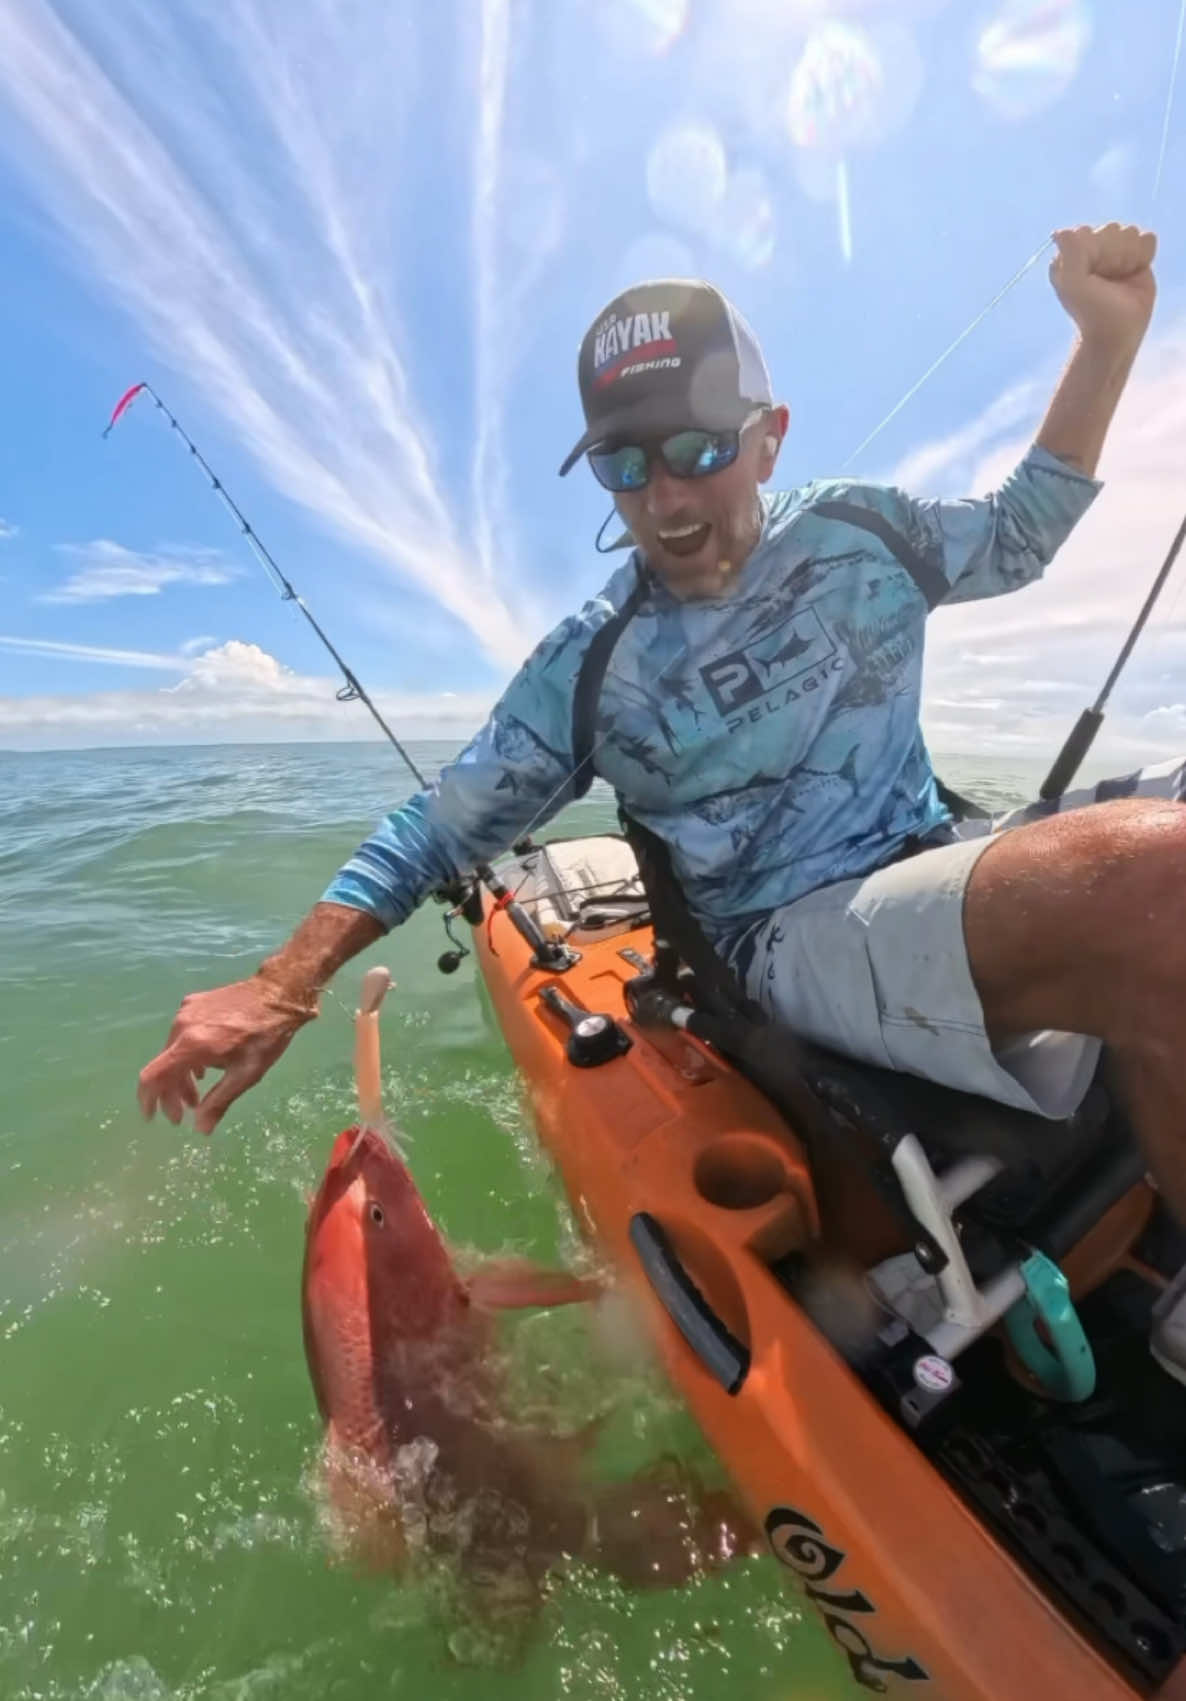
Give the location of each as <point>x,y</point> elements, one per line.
<point>376,1214</point>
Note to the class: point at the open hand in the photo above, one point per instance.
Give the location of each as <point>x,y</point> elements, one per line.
<point>1104,279</point>
<point>242,1029</point>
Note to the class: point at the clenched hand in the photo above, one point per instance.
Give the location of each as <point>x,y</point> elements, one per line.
<point>1104,279</point>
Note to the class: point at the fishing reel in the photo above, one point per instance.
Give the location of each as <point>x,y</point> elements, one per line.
<point>466,902</point>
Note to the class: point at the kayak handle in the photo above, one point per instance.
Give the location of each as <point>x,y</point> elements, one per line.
<point>717,1348</point>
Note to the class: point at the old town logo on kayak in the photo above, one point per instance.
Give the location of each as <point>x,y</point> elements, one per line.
<point>641,342</point>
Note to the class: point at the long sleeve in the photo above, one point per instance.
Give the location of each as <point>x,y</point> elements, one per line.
<point>517,773</point>
<point>986,546</point>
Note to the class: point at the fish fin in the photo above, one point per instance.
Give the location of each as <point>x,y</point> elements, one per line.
<point>510,1284</point>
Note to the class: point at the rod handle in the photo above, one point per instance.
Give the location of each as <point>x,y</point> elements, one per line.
<point>1067,762</point>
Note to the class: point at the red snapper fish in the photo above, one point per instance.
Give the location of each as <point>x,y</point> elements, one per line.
<point>420,1456</point>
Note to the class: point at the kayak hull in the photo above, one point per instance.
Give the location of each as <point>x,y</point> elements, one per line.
<point>914,1590</point>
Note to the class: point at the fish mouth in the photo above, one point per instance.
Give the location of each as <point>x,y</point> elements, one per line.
<point>367,1138</point>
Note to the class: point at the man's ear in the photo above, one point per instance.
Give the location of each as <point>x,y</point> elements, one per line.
<point>775,430</point>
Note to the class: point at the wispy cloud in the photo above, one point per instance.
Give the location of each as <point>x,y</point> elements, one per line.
<point>106,570</point>
<point>233,693</point>
<point>52,650</point>
<point>264,289</point>
<point>1012,672</point>
<point>7,530</point>
<point>516,227</point>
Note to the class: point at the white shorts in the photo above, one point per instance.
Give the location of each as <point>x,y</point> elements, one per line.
<point>877,968</point>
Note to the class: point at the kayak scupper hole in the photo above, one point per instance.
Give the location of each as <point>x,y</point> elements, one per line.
<point>1108,1595</point>
<point>1152,1641</point>
<point>739,1173</point>
<point>1027,1514</point>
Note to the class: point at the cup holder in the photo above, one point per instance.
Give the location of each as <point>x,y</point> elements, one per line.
<point>739,1172</point>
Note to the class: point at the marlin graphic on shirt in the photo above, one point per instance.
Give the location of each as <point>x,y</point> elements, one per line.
<point>794,647</point>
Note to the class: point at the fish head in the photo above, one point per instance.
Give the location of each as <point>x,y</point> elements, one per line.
<point>377,1277</point>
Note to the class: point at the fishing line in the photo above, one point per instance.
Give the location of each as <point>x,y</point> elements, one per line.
<point>1169,101</point>
<point>353,690</point>
<point>689,656</point>
<point>951,347</point>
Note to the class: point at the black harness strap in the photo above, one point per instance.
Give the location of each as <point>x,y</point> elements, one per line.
<point>929,579</point>
<point>717,986</point>
<point>932,586</point>
<point>961,807</point>
<point>590,678</point>
<point>673,918</point>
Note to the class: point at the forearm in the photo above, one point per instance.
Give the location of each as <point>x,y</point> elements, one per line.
<point>1082,406</point>
<point>328,937</point>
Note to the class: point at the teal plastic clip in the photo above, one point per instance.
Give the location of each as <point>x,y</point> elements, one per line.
<point>1065,1367</point>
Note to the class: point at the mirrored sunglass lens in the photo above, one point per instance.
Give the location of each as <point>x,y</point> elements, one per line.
<point>693,454</point>
<point>620,469</point>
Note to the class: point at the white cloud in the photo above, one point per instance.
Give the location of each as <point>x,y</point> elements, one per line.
<point>235,693</point>
<point>109,570</point>
<point>53,650</point>
<point>266,288</point>
<point>1042,653</point>
<point>7,530</point>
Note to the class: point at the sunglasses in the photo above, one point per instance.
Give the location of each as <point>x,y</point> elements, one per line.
<point>685,454</point>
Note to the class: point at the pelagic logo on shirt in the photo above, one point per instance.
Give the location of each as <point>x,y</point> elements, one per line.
<point>640,342</point>
<point>768,667</point>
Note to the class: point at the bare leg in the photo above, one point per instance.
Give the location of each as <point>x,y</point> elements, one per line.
<point>1078,923</point>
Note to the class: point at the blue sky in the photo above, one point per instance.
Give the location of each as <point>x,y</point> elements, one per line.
<point>355,247</point>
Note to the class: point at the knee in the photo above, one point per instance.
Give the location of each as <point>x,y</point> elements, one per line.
<point>1141,890</point>
<point>1143,853</point>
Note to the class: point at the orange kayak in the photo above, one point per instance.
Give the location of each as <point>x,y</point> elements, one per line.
<point>702,1197</point>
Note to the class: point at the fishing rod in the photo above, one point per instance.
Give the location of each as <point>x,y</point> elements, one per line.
<point>549,953</point>
<point>353,691</point>
<point>1082,735</point>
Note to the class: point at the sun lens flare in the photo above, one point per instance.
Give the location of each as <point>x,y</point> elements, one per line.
<point>835,89</point>
<point>644,26</point>
<point>687,174</point>
<point>1028,55</point>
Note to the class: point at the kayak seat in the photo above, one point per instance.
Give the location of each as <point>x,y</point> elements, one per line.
<point>985,1200</point>
<point>1038,1157</point>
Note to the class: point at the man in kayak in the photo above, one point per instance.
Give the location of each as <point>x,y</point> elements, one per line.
<point>760,715</point>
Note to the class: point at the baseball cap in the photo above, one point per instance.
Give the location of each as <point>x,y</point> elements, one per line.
<point>666,354</point>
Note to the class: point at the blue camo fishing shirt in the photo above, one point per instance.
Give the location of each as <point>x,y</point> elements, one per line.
<point>771,738</point>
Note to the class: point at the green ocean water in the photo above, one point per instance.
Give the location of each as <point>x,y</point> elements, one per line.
<point>159,1537</point>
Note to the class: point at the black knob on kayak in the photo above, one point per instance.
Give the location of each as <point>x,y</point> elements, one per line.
<point>449,962</point>
<point>595,1039</point>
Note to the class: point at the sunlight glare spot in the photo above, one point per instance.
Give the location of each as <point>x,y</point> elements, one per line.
<point>686,175</point>
<point>745,227</point>
<point>835,89</point>
<point>844,211</point>
<point>646,26</point>
<point>1029,54</point>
